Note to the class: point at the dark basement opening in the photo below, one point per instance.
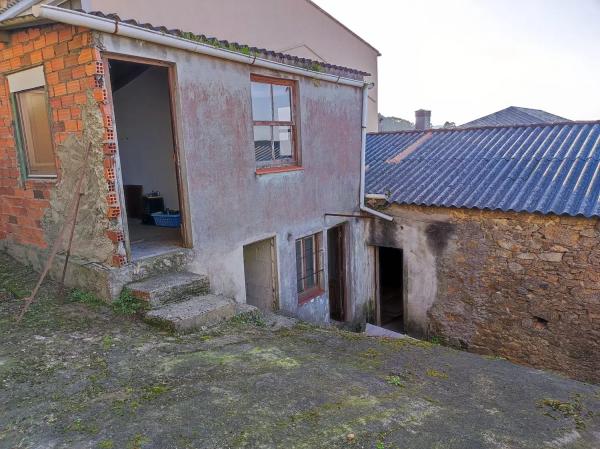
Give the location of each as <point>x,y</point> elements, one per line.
<point>391,289</point>
<point>143,119</point>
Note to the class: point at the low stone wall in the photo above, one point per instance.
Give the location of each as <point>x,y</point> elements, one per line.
<point>518,285</point>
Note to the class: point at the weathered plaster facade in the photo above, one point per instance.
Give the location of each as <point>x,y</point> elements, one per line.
<point>230,205</point>
<point>522,286</point>
<point>296,27</point>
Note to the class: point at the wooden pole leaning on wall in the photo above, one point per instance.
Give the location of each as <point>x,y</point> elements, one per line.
<point>71,221</point>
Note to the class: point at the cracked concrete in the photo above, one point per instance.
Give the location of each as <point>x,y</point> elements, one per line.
<point>74,375</point>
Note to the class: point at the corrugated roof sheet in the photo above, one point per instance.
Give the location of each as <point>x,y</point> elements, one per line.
<point>514,115</point>
<point>550,169</point>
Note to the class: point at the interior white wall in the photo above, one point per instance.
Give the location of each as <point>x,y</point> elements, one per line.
<point>143,122</point>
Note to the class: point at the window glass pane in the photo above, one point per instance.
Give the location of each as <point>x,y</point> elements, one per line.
<point>299,272</point>
<point>282,141</point>
<point>263,143</point>
<point>262,105</point>
<point>282,102</point>
<point>33,110</point>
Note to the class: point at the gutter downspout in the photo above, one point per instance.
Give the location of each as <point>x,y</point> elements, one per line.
<point>365,108</point>
<point>111,26</point>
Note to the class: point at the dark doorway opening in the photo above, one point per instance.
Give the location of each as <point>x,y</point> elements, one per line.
<point>141,98</point>
<point>391,289</point>
<point>336,273</point>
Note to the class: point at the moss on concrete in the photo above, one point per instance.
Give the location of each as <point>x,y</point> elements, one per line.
<point>73,374</point>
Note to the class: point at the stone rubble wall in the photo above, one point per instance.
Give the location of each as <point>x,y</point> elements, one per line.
<point>521,286</point>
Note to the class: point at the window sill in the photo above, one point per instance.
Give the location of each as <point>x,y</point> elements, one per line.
<point>41,179</point>
<point>309,295</point>
<point>284,169</point>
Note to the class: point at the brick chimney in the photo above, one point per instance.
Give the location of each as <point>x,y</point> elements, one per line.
<point>422,119</point>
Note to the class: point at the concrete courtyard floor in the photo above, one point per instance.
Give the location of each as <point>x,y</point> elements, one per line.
<point>75,375</point>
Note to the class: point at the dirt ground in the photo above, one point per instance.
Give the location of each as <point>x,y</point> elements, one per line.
<point>76,375</point>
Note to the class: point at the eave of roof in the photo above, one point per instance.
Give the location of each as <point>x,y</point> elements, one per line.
<point>308,64</point>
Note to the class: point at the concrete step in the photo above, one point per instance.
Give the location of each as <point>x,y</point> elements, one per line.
<point>193,314</point>
<point>170,287</point>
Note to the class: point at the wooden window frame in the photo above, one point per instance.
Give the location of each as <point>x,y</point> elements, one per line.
<point>273,166</point>
<point>305,295</point>
<point>22,141</point>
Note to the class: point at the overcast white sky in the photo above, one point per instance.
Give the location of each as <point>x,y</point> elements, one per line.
<point>467,58</point>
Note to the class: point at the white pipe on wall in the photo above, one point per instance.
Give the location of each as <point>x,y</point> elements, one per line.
<point>363,147</point>
<point>111,26</point>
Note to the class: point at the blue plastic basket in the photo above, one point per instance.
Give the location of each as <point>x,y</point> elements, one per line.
<point>166,220</point>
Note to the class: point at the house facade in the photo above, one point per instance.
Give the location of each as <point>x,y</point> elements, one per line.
<point>495,243</point>
<point>236,139</point>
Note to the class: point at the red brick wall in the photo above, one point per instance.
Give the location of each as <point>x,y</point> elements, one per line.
<point>72,68</point>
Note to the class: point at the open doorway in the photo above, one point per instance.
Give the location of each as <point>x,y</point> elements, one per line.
<point>141,98</point>
<point>260,273</point>
<point>336,273</point>
<point>391,289</point>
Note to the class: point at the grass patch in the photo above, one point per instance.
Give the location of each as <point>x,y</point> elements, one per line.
<point>435,340</point>
<point>79,426</point>
<point>570,410</point>
<point>77,295</point>
<point>137,442</point>
<point>253,318</point>
<point>107,342</point>
<point>153,391</point>
<point>106,444</point>
<point>127,304</point>
<point>395,381</point>
<point>371,353</point>
<point>435,373</point>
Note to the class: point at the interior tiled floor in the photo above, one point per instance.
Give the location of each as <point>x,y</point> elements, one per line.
<point>148,240</point>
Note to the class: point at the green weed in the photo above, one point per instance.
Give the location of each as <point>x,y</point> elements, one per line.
<point>127,304</point>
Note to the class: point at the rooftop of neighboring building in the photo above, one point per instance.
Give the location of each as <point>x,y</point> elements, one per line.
<point>545,168</point>
<point>515,115</point>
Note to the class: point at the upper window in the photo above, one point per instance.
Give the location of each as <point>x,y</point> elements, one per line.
<point>309,267</point>
<point>274,122</point>
<point>33,122</point>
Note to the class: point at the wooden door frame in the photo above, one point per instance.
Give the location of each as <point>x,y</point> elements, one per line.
<point>182,191</point>
<point>343,266</point>
<point>377,280</point>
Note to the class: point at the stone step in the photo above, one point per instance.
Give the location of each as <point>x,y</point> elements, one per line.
<point>170,287</point>
<point>193,314</point>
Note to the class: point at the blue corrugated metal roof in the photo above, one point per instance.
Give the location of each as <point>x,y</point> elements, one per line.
<point>552,168</point>
<point>515,115</point>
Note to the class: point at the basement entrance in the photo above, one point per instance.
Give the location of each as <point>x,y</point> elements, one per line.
<point>141,100</point>
<point>260,273</point>
<point>391,289</point>
<point>336,266</point>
